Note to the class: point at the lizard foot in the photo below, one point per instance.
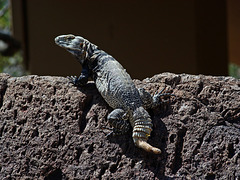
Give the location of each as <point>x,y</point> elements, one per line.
<point>78,81</point>
<point>162,98</point>
<point>116,132</point>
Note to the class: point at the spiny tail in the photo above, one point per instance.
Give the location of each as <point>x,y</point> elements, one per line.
<point>141,132</point>
<point>147,147</point>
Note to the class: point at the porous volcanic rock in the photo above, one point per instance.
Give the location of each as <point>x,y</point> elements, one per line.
<point>50,129</point>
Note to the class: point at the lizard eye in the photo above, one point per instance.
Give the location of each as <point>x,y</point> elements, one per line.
<point>70,37</point>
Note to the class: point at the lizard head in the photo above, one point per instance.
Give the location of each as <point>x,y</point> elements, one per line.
<point>76,45</point>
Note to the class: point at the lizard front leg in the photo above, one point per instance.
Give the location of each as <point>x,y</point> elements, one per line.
<point>118,119</point>
<point>83,78</point>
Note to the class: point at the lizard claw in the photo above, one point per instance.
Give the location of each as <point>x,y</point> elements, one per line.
<point>109,134</point>
<point>78,81</point>
<point>156,93</point>
<point>115,132</point>
<point>160,98</point>
<point>72,79</point>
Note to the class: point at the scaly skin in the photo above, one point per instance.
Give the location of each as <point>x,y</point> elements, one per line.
<point>116,87</point>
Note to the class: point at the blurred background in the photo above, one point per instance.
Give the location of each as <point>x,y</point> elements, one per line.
<point>146,37</point>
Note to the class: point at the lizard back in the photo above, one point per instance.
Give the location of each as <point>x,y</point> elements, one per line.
<point>115,84</point>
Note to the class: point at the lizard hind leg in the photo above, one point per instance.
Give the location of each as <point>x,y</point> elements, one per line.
<point>158,98</point>
<point>119,121</point>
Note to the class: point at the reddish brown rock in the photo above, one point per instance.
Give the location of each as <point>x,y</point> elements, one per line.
<point>50,129</point>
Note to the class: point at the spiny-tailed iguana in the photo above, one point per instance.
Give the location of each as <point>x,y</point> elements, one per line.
<point>116,87</point>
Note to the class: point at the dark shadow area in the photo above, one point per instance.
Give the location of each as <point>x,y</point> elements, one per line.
<point>54,175</point>
<point>89,89</point>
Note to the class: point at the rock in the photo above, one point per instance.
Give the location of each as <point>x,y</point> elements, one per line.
<point>50,129</point>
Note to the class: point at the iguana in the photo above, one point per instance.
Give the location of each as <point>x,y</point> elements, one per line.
<point>116,87</point>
